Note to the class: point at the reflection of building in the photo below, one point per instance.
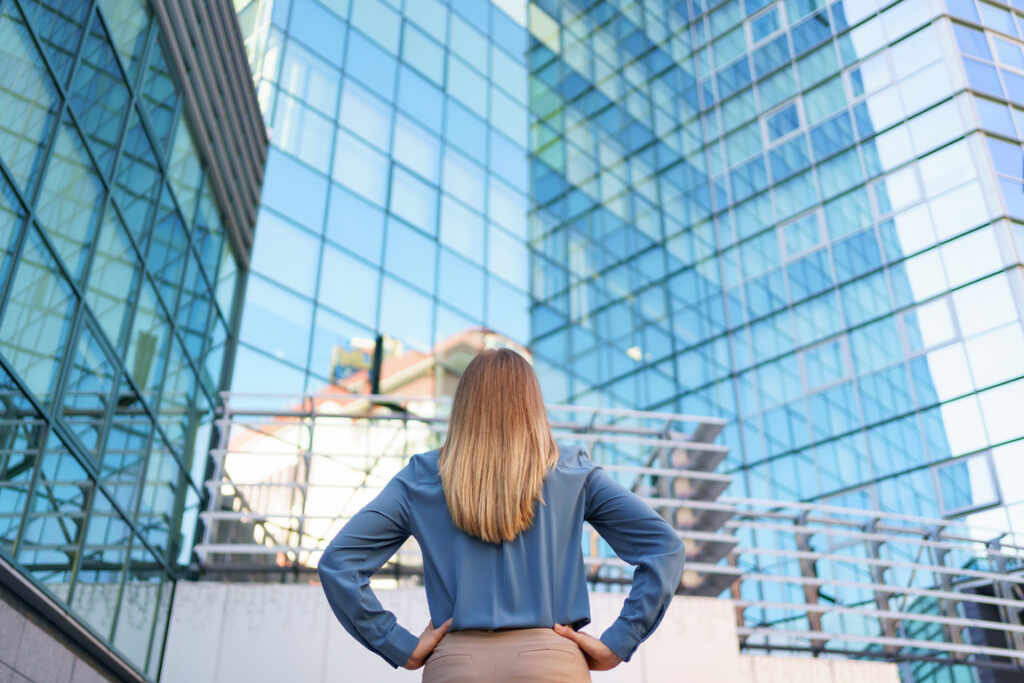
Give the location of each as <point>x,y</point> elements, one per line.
<point>131,154</point>
<point>291,475</point>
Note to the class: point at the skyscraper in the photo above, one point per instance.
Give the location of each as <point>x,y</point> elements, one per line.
<point>131,154</point>
<point>800,216</point>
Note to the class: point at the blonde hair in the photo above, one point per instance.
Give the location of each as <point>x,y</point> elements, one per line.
<point>499,447</point>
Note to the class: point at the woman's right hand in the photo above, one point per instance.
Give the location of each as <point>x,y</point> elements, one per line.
<point>599,656</point>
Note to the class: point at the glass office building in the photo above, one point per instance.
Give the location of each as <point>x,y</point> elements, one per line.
<point>120,258</point>
<point>397,183</point>
<point>801,216</point>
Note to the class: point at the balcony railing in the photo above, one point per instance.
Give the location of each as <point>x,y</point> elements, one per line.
<point>289,471</point>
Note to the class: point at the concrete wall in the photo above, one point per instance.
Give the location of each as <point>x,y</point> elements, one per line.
<point>32,650</point>
<point>250,633</point>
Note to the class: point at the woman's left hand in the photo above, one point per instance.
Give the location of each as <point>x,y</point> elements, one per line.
<point>428,641</point>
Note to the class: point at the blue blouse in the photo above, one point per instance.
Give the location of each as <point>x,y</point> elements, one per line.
<point>536,580</point>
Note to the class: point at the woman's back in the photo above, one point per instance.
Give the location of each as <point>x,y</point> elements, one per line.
<point>535,580</point>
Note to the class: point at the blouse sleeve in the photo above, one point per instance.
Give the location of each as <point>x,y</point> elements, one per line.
<point>641,537</point>
<point>362,547</point>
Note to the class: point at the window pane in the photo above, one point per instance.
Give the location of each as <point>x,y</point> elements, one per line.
<point>127,21</point>
<point>406,314</point>
<point>360,167</point>
<point>37,318</point>
<point>28,102</point>
<point>414,201</point>
<point>147,345</point>
<point>410,255</point>
<point>349,286</point>
<point>53,527</point>
<point>87,391</point>
<point>100,96</point>
<point>355,224</point>
<point>319,29</point>
<point>365,114</point>
<point>71,199</point>
<point>159,96</point>
<point>138,182</point>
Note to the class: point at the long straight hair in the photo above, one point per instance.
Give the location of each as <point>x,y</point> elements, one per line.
<point>499,447</point>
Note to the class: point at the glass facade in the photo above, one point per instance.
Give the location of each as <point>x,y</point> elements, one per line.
<point>805,217</point>
<point>800,216</point>
<point>116,288</point>
<point>397,183</point>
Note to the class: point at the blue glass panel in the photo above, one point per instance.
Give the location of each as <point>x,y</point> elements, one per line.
<point>465,130</point>
<point>1007,157</point>
<point>167,250</point>
<point>137,181</point>
<point>972,41</point>
<point>372,65</point>
<point>365,114</point>
<point>406,314</point>
<point>100,96</point>
<point>783,122</point>
<point>70,200</point>
<point>160,97</point>
<point>810,32</point>
<point>295,190</point>
<point>37,318</point>
<point>349,286</point>
<point>771,56</point>
<point>414,200</point>
<point>831,136</point>
<point>461,284</point>
<point>983,77</point>
<point>420,98</point>
<point>28,102</point>
<point>410,255</point>
<point>319,29</point>
<point>60,26</point>
<point>355,224</point>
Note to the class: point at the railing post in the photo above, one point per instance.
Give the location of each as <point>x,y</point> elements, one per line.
<point>809,570</point>
<point>889,626</point>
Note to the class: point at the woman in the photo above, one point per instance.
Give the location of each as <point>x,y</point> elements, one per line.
<point>498,513</point>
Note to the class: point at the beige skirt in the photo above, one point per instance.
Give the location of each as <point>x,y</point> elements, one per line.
<point>529,654</point>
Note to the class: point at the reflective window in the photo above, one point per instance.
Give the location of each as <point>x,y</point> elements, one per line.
<point>349,286</point>
<point>360,167</point>
<point>127,21</point>
<point>278,236</point>
<point>414,200</point>
<point>37,318</point>
<point>28,102</point>
<point>277,320</point>
<point>365,114</point>
<point>319,29</point>
<point>137,181</point>
<point>71,199</point>
<point>159,96</point>
<point>372,66</point>
<point>406,314</point>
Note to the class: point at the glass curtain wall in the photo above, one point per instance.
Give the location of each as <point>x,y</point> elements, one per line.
<point>800,216</point>
<point>397,184</point>
<point>116,285</point>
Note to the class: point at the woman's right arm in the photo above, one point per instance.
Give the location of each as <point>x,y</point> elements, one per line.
<point>641,537</point>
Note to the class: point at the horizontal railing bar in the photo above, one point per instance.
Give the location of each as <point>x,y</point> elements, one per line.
<point>884,640</point>
<point>888,589</point>
<point>879,562</point>
<point>869,536</point>
<point>882,614</point>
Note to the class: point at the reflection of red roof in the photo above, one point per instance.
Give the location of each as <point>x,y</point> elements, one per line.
<point>408,374</point>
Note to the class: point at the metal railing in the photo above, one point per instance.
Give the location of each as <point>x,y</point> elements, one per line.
<point>803,576</point>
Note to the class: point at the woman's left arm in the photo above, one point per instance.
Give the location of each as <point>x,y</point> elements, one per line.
<point>362,547</point>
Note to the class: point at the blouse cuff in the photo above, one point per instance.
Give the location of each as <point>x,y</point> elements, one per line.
<point>399,646</point>
<point>620,640</point>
